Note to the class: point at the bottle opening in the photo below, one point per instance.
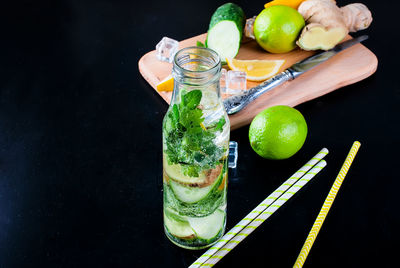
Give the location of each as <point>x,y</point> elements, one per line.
<point>196,63</point>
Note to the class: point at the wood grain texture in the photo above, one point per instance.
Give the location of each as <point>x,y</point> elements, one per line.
<point>347,67</point>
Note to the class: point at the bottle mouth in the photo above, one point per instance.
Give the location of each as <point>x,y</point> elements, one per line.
<point>196,63</point>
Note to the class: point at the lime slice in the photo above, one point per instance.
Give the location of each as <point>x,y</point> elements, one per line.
<point>175,172</point>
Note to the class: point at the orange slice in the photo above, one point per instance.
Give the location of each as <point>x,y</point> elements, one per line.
<point>256,70</point>
<point>167,84</point>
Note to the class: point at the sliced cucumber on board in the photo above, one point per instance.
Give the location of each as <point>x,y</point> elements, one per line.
<point>225,30</point>
<point>208,227</point>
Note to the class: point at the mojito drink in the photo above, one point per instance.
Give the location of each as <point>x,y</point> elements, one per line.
<point>195,150</point>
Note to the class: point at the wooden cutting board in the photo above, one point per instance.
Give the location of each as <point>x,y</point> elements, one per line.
<point>349,66</point>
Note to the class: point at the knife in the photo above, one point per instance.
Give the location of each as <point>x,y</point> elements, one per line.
<point>236,103</point>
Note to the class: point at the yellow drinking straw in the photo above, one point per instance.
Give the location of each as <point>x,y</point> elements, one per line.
<point>326,206</point>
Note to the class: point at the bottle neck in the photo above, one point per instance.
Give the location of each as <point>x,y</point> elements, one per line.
<point>196,68</point>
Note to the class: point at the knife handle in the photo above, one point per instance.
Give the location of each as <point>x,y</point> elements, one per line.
<point>236,103</point>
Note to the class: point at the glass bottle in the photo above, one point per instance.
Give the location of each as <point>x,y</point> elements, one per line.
<point>196,132</point>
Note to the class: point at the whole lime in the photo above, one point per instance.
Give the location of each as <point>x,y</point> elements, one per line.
<point>276,28</point>
<point>278,132</point>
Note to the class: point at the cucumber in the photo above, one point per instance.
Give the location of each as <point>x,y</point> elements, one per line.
<point>209,203</point>
<point>225,30</point>
<point>203,207</point>
<point>189,194</point>
<point>177,226</point>
<point>208,227</point>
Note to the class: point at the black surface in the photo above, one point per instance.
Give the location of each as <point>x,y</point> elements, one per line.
<point>80,146</point>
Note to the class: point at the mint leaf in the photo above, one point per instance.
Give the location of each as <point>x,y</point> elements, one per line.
<point>191,171</point>
<point>191,99</point>
<point>175,113</point>
<point>191,119</point>
<point>200,44</point>
<point>173,117</point>
<point>188,143</point>
<point>220,124</point>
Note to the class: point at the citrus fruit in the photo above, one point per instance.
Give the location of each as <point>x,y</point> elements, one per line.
<point>276,28</point>
<point>256,70</point>
<point>167,84</point>
<point>278,132</point>
<point>290,3</point>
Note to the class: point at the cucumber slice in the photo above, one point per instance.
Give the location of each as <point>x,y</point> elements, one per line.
<point>189,194</point>
<point>208,227</point>
<point>225,30</point>
<point>224,38</point>
<point>212,201</point>
<point>178,226</point>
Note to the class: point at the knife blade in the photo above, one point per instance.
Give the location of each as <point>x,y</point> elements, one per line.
<point>236,103</point>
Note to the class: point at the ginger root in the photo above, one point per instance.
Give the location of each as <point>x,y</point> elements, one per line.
<point>327,24</point>
<point>356,16</point>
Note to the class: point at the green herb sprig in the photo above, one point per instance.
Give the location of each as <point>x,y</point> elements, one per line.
<point>188,142</point>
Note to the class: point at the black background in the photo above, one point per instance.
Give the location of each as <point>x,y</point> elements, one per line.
<point>80,145</point>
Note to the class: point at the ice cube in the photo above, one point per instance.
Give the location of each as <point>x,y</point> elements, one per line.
<point>249,28</point>
<point>235,82</point>
<point>166,49</point>
<point>222,81</point>
<point>233,154</point>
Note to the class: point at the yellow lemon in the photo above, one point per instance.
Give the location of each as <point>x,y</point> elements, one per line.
<point>256,70</point>
<point>166,84</point>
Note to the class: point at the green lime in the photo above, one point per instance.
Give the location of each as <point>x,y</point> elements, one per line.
<point>278,132</point>
<point>276,28</point>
